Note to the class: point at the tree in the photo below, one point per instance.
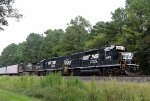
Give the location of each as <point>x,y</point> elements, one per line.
<point>143,55</point>
<point>21,54</point>
<point>7,11</point>
<point>50,46</point>
<point>97,41</point>
<point>33,43</point>
<point>8,55</point>
<point>119,19</point>
<point>100,27</point>
<point>133,22</point>
<point>75,35</point>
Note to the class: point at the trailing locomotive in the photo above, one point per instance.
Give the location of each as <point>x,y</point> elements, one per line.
<point>54,64</point>
<point>113,60</point>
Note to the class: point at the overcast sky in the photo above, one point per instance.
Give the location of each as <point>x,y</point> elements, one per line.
<point>40,15</point>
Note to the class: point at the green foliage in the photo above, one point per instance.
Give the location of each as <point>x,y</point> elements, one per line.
<point>75,35</point>
<point>33,43</point>
<point>58,88</point>
<point>143,55</point>
<point>21,53</point>
<point>96,42</point>
<point>8,55</point>
<point>7,11</point>
<point>9,96</point>
<point>50,46</point>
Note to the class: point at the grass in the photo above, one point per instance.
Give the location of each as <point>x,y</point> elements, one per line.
<point>57,88</point>
<point>9,96</point>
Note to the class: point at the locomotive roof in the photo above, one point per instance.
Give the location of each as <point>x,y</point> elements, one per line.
<point>43,60</point>
<point>92,51</point>
<point>109,48</point>
<point>77,55</point>
<point>80,54</point>
<point>57,58</point>
<point>34,63</point>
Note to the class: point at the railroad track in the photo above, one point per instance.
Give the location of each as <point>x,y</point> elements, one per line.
<point>117,78</point>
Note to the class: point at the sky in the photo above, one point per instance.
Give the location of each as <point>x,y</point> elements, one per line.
<point>41,15</point>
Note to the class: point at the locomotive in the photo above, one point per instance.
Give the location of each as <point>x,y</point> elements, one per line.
<point>112,60</point>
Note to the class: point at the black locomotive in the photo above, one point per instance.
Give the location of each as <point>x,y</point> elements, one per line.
<point>113,60</point>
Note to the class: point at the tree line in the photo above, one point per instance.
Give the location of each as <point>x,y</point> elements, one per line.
<point>130,27</point>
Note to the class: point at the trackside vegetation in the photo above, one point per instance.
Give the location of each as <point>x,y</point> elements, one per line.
<point>9,96</point>
<point>58,88</point>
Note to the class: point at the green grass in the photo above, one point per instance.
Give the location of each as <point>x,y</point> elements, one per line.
<point>9,96</point>
<point>57,88</point>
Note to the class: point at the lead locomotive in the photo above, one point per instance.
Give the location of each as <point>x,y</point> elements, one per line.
<point>113,60</point>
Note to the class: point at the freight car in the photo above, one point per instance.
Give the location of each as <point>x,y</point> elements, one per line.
<point>113,60</point>
<point>34,68</point>
<point>11,70</point>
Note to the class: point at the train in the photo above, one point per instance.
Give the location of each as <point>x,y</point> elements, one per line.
<point>110,60</point>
